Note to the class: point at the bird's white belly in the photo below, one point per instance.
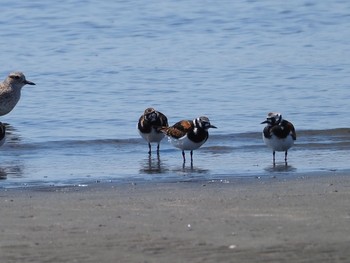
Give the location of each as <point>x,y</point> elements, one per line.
<point>153,136</point>
<point>278,144</point>
<point>185,144</point>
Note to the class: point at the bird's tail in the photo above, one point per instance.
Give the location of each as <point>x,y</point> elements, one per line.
<point>163,129</point>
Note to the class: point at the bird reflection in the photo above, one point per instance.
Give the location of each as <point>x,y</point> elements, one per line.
<point>193,170</point>
<point>151,165</point>
<point>280,168</point>
<point>11,171</point>
<point>12,135</point>
<point>3,174</point>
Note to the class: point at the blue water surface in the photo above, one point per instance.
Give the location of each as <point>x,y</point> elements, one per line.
<point>98,65</point>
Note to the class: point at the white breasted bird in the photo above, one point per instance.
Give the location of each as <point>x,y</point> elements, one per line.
<point>189,135</point>
<point>278,134</point>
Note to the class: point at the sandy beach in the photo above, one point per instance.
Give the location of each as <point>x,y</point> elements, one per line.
<point>302,219</point>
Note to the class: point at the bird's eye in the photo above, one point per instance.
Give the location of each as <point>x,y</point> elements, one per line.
<point>14,77</point>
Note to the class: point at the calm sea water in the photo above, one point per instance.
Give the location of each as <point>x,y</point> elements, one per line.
<point>99,64</point>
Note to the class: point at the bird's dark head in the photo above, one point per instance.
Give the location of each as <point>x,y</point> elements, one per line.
<point>150,114</point>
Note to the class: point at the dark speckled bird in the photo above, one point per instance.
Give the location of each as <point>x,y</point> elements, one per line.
<point>149,127</point>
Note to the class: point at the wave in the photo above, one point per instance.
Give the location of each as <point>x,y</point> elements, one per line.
<point>309,139</point>
<point>338,132</point>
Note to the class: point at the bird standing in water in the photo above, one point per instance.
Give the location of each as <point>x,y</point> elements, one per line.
<point>278,134</point>
<point>149,127</point>
<point>189,135</point>
<point>10,91</point>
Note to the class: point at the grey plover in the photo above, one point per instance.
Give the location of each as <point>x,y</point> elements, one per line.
<point>278,134</point>
<point>10,91</point>
<point>189,135</point>
<point>148,126</point>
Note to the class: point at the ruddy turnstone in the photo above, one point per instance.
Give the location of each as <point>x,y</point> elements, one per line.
<point>10,91</point>
<point>278,134</point>
<point>2,133</point>
<point>149,127</point>
<point>188,135</point>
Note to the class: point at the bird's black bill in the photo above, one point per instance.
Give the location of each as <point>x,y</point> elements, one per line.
<point>29,82</point>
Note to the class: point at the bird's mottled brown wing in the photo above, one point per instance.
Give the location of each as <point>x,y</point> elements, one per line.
<point>179,129</point>
<point>283,130</point>
<point>143,126</point>
<point>292,130</point>
<point>163,120</point>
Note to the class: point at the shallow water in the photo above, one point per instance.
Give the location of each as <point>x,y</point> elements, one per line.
<point>81,162</point>
<point>98,65</point>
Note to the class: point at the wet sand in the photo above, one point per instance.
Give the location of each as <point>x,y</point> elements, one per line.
<point>303,219</point>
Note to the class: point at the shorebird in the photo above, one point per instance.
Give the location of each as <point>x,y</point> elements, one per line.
<point>149,127</point>
<point>188,135</point>
<point>10,91</point>
<point>278,134</point>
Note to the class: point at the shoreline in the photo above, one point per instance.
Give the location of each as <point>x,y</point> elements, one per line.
<point>275,219</point>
